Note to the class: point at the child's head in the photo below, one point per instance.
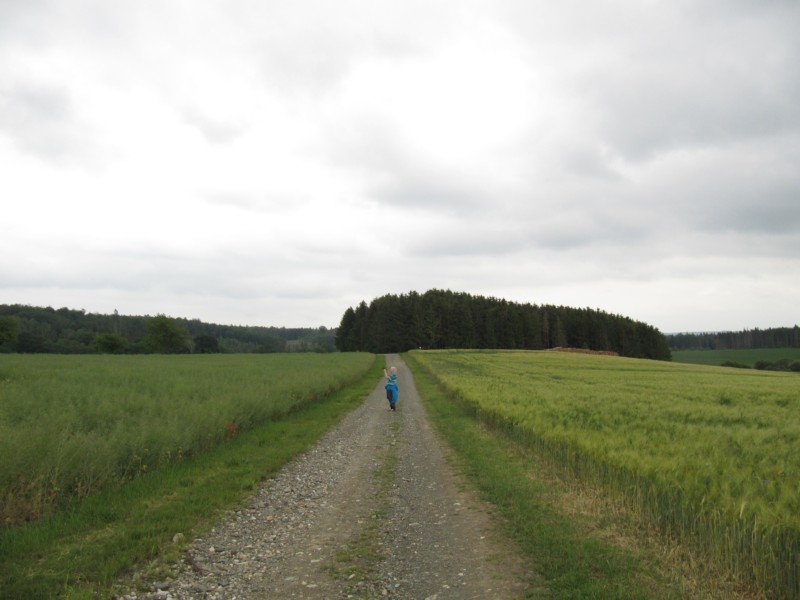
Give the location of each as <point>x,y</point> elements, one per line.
<point>393,370</point>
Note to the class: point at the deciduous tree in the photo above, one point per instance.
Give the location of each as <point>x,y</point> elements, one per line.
<point>9,329</point>
<point>109,343</point>
<point>164,336</point>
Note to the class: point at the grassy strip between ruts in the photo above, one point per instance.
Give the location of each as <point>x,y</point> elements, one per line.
<point>359,561</point>
<point>572,561</point>
<point>81,553</point>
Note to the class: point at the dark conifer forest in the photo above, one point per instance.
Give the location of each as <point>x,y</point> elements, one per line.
<point>749,339</point>
<point>443,319</point>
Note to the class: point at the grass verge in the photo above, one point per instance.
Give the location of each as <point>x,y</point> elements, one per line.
<point>572,560</point>
<point>83,551</point>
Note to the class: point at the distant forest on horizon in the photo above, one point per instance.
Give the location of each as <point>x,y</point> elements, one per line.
<point>749,339</point>
<point>390,323</point>
<point>69,331</point>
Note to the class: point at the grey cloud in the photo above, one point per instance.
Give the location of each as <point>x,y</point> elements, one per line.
<point>308,47</point>
<point>396,177</point>
<point>215,130</point>
<point>141,270</point>
<point>27,16</point>
<point>764,211</point>
<point>241,201</point>
<point>660,144</point>
<point>679,74</point>
<point>502,234</point>
<point>591,226</point>
<point>589,162</point>
<point>429,191</point>
<point>41,120</point>
<point>255,202</point>
<point>649,113</point>
<point>459,240</point>
<point>23,19</point>
<point>301,289</point>
<point>748,188</point>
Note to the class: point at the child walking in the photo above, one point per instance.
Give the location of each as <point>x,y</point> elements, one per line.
<point>391,387</point>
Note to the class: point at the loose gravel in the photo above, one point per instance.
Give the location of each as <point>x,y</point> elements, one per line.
<point>374,510</point>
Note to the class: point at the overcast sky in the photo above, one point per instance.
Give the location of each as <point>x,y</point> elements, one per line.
<point>272,163</point>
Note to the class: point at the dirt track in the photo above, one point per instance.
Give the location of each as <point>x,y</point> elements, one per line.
<point>372,511</point>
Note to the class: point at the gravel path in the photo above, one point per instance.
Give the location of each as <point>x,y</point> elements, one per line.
<point>372,511</point>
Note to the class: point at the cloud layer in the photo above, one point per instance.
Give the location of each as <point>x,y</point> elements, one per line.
<point>243,162</point>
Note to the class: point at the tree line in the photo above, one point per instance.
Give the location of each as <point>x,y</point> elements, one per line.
<point>441,319</point>
<point>748,339</point>
<point>29,329</point>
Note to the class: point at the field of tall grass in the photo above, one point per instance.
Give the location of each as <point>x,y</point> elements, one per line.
<point>743,357</point>
<point>708,453</point>
<point>71,425</point>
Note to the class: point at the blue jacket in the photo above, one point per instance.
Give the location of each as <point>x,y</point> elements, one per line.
<point>392,383</point>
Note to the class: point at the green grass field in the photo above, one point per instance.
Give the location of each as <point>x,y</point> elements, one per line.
<point>569,555</point>
<point>745,357</point>
<point>71,425</point>
<point>82,545</point>
<point>709,453</point>
<point>104,458</point>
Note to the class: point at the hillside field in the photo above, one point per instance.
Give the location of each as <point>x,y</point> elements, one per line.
<point>708,453</point>
<point>747,357</point>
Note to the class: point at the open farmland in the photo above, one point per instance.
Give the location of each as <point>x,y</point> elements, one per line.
<point>747,357</point>
<point>708,453</point>
<point>70,425</point>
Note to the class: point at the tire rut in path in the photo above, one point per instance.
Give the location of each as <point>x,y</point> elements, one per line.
<point>439,537</point>
<point>372,511</point>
